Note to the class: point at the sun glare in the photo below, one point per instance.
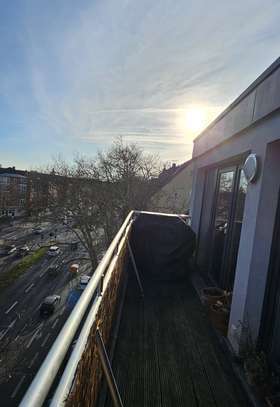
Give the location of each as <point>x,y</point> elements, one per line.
<point>195,120</point>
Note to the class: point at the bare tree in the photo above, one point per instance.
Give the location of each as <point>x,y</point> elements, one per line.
<point>95,195</point>
<point>131,174</point>
<point>74,198</point>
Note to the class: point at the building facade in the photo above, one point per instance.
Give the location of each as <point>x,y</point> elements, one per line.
<point>237,222</point>
<point>13,192</point>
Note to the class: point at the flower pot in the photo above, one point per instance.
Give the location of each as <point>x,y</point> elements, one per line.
<point>210,295</point>
<point>219,316</point>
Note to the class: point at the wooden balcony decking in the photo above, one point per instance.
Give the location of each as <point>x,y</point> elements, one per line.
<point>167,353</point>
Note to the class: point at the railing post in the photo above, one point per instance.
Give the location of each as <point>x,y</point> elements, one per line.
<point>106,366</point>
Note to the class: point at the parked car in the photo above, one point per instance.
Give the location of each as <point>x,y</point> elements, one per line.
<point>84,282</point>
<point>23,251</point>
<point>38,230</point>
<point>7,250</point>
<point>49,305</point>
<point>11,249</point>
<point>53,270</point>
<point>54,251</point>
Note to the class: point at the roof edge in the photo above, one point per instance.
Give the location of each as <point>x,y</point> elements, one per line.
<point>269,71</point>
<point>180,168</point>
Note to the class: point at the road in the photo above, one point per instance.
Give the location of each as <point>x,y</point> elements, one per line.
<point>25,337</point>
<point>22,234</point>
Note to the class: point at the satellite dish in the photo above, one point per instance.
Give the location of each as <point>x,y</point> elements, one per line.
<point>250,168</point>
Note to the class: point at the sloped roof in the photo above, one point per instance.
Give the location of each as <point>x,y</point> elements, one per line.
<point>167,175</point>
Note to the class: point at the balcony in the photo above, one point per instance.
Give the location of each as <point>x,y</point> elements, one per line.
<point>141,304</point>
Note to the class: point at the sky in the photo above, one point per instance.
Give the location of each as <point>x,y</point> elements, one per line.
<point>74,75</point>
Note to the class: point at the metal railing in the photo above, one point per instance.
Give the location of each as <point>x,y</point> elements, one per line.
<point>46,375</point>
<point>41,384</point>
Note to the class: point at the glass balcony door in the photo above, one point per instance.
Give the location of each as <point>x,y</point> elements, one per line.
<point>226,225</point>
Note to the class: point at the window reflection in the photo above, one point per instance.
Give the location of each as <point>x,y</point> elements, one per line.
<point>228,217</point>
<point>224,199</point>
<point>223,206</point>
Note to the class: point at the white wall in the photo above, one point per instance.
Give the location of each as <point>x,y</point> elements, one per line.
<point>259,216</point>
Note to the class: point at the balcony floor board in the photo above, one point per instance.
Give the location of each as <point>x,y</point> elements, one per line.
<point>167,354</point>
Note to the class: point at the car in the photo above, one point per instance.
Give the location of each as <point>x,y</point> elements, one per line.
<point>74,268</point>
<point>54,251</point>
<point>23,251</point>
<point>53,234</point>
<point>53,270</point>
<point>38,230</point>
<point>49,305</point>
<point>84,282</point>
<point>11,249</point>
<point>7,250</point>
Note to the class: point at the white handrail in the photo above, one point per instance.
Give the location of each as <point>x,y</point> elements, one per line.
<point>68,376</point>
<point>41,384</point>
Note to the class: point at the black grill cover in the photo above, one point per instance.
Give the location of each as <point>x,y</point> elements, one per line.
<point>162,246</point>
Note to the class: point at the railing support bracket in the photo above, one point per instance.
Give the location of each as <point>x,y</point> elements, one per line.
<point>135,268</point>
<point>107,370</point>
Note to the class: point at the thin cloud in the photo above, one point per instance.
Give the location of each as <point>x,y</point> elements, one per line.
<point>96,70</point>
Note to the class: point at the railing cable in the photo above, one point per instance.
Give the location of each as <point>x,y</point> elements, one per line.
<point>135,268</point>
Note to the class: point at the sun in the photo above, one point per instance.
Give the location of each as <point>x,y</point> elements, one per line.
<point>195,120</point>
<point>192,119</point>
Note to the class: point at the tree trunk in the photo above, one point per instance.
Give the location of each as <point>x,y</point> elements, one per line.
<point>93,260</point>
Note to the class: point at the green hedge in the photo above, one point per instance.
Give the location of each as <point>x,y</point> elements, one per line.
<point>8,277</point>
